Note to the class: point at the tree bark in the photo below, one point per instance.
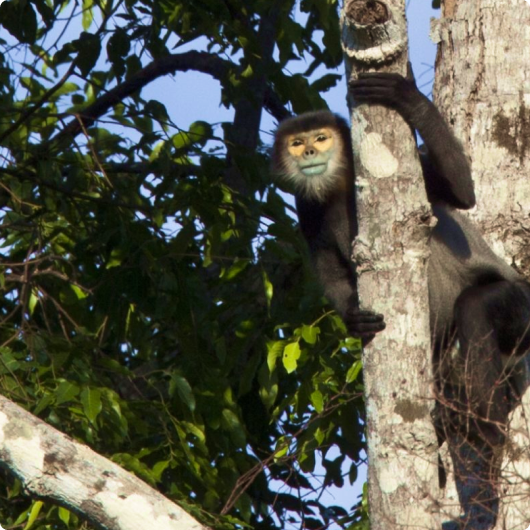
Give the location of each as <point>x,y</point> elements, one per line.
<point>391,253</point>
<point>483,88</point>
<point>52,466</point>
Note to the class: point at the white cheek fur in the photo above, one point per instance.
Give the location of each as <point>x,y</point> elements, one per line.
<point>317,187</point>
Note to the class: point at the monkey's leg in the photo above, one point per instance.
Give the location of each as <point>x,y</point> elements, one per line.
<point>492,320</point>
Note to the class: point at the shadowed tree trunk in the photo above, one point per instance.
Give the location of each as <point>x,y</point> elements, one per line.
<point>483,88</point>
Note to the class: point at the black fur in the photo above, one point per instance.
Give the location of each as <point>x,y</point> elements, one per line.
<point>328,221</point>
<point>314,120</point>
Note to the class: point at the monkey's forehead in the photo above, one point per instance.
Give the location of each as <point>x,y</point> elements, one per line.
<point>326,131</point>
<point>312,121</point>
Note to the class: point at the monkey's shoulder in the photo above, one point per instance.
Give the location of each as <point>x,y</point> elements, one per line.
<point>457,244</point>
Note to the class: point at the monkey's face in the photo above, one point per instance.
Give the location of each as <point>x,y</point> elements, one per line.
<point>314,161</point>
<point>312,151</point>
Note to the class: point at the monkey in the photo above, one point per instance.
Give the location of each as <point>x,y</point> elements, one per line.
<point>313,152</point>
<point>476,300</point>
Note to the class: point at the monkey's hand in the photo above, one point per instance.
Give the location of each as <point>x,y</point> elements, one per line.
<point>390,90</point>
<point>363,324</point>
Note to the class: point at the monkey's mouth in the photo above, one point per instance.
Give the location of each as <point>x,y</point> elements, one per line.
<point>314,169</point>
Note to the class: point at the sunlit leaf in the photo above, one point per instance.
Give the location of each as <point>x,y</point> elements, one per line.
<point>64,515</point>
<point>310,334</point>
<point>353,372</point>
<point>291,354</point>
<point>33,514</point>
<point>317,399</point>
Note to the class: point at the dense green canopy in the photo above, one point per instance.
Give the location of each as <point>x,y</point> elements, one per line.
<point>157,301</point>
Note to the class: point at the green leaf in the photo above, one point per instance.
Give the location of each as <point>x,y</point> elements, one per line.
<point>282,448</point>
<point>33,514</point>
<point>274,350</point>
<point>291,354</point>
<point>182,140</point>
<point>159,468</point>
<point>33,301</point>
<point>118,47</point>
<point>88,47</point>
<point>353,372</point>
<point>319,436</point>
<point>44,402</point>
<point>20,20</point>
<point>91,401</point>
<point>182,387</point>
<point>231,419</point>
<point>353,473</point>
<point>237,267</point>
<point>200,132</point>
<point>247,72</point>
<point>163,300</point>
<point>66,392</point>
<point>237,432</point>
<point>268,385</point>
<point>269,289</point>
<point>9,362</point>
<point>64,515</point>
<point>326,82</point>
<point>194,430</point>
<point>310,334</point>
<point>79,293</point>
<point>317,400</point>
<point>88,15</point>
<point>116,258</point>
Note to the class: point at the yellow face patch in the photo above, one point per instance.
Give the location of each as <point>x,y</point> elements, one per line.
<point>319,139</point>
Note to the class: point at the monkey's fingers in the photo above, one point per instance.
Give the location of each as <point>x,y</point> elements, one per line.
<point>379,81</point>
<point>387,89</point>
<point>381,75</point>
<point>364,315</point>
<point>361,323</point>
<point>366,340</point>
<point>372,91</point>
<point>375,95</point>
<point>389,77</point>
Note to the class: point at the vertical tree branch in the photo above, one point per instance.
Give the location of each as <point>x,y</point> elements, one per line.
<point>242,136</point>
<point>391,254</point>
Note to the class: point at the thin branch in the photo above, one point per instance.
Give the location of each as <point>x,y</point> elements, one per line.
<point>47,95</point>
<point>193,60</point>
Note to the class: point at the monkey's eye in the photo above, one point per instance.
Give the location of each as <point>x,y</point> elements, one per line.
<point>296,143</point>
<point>321,138</point>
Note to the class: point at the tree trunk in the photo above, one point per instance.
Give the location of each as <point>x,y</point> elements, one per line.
<point>52,466</point>
<point>391,254</point>
<point>483,88</point>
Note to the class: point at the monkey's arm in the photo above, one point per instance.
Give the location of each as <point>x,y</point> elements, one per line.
<point>328,232</point>
<point>446,169</point>
<point>339,283</point>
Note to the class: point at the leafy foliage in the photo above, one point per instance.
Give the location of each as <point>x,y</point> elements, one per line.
<point>150,308</point>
